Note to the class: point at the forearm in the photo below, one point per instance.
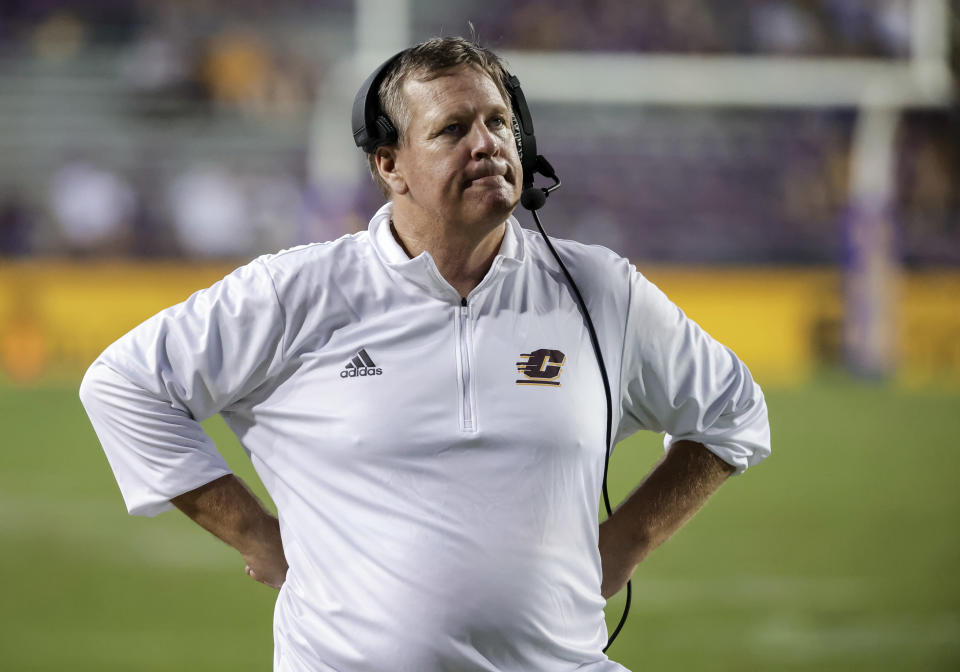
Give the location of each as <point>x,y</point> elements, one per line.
<point>664,501</point>
<point>227,509</point>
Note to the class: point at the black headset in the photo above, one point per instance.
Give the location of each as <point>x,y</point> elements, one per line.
<point>372,129</point>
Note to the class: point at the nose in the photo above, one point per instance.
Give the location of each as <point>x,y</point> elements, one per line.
<point>483,142</point>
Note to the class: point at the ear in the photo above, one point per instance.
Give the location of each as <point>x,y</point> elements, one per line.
<point>386,158</point>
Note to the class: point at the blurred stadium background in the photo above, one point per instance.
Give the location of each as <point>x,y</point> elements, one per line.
<point>787,170</point>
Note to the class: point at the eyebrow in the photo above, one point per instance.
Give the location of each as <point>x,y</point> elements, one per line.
<point>434,117</point>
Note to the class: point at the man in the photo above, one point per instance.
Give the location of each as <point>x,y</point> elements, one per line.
<point>422,403</point>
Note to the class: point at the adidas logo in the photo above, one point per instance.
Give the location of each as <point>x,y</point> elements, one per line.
<point>361,365</point>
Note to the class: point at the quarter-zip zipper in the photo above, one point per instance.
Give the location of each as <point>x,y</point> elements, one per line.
<point>467,414</point>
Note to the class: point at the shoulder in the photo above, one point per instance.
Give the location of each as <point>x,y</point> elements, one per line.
<point>605,280</point>
<point>315,256</point>
<point>311,267</point>
<point>322,286</point>
<point>588,264</point>
<point>286,274</point>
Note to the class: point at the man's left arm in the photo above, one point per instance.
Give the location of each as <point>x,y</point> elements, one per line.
<point>683,480</point>
<point>678,380</point>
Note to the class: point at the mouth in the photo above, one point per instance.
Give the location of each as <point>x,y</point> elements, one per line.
<point>485,181</point>
<point>490,179</point>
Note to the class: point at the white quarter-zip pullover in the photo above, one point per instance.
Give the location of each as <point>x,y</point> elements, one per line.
<point>435,461</point>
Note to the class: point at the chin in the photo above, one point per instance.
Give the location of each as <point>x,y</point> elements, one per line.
<point>501,201</point>
<point>493,211</point>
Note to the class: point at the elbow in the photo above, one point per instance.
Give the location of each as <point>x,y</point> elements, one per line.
<point>89,385</point>
<point>95,385</point>
<point>747,425</point>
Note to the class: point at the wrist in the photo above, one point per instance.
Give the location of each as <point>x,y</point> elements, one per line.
<point>260,532</point>
<point>625,538</point>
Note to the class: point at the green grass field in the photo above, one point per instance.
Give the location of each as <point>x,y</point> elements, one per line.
<point>841,552</point>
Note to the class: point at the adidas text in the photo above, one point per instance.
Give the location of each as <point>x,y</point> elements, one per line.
<point>365,371</point>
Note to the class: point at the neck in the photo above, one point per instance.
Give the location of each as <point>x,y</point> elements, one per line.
<point>462,256</point>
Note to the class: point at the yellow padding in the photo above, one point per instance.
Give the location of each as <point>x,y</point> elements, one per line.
<point>56,317</point>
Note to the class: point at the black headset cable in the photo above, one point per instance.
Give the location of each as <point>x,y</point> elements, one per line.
<point>606,390</point>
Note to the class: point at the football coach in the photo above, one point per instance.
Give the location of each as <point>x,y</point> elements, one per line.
<point>431,404</point>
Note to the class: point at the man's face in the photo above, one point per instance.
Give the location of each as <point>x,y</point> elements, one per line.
<point>458,163</point>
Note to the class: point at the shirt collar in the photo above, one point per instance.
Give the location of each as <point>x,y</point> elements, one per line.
<point>422,270</point>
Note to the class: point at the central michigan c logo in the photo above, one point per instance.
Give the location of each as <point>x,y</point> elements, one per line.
<point>541,367</point>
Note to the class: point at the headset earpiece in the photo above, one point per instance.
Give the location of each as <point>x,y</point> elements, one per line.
<point>386,133</point>
<point>371,127</point>
<point>522,128</point>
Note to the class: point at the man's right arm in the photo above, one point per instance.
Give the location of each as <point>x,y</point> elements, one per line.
<point>147,393</point>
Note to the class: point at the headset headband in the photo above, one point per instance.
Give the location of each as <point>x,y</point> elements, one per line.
<point>372,128</point>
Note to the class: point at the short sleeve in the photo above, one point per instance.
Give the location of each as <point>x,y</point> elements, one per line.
<point>147,393</point>
<point>676,379</point>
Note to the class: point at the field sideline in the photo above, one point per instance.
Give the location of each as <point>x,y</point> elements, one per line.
<point>841,553</point>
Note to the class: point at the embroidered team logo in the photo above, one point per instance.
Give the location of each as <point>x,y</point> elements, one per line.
<point>361,365</point>
<point>541,367</point>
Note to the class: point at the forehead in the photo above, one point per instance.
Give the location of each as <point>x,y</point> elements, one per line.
<point>452,89</point>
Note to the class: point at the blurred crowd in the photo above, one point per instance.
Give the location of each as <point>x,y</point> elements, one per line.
<point>204,211</point>
<point>222,57</point>
<point>205,111</point>
<point>810,27</point>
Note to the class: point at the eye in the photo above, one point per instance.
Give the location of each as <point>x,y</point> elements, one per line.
<point>451,128</point>
<point>498,122</point>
